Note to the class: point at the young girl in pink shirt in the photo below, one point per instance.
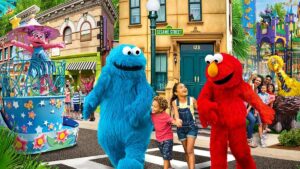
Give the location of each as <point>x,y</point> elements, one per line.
<point>163,129</point>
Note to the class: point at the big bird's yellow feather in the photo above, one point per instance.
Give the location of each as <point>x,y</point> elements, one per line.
<point>286,86</point>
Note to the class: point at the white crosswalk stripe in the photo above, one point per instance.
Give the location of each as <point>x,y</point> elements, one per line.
<point>90,162</point>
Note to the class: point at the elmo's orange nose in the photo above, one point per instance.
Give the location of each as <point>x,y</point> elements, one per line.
<point>212,70</point>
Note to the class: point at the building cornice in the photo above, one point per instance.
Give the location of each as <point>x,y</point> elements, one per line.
<point>73,6</point>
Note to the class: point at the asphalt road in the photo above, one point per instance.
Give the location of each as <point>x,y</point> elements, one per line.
<point>88,154</point>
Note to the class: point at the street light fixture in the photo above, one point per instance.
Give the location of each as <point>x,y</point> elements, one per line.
<point>153,6</point>
<point>290,19</point>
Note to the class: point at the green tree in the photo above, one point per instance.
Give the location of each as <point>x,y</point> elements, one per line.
<point>240,43</point>
<point>116,25</point>
<point>22,5</point>
<point>279,8</point>
<point>11,159</point>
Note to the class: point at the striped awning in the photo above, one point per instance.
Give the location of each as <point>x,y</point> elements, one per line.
<point>81,66</point>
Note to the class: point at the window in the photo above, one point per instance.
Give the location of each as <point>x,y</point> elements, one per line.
<point>161,71</point>
<point>11,52</point>
<point>5,53</point>
<point>162,11</point>
<point>67,35</point>
<point>0,54</point>
<point>85,31</point>
<point>195,10</point>
<point>135,12</point>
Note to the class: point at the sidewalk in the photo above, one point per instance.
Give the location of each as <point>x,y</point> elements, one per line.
<point>203,141</point>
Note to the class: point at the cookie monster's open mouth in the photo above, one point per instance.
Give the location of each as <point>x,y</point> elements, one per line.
<point>226,79</point>
<point>128,68</point>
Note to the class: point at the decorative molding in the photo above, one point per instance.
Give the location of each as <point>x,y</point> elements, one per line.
<point>163,49</point>
<point>215,38</point>
<point>188,37</point>
<point>27,12</point>
<point>195,23</point>
<point>88,18</point>
<point>75,6</point>
<point>70,24</point>
<point>134,26</point>
<point>195,30</point>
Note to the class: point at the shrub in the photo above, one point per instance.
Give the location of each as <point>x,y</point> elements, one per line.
<point>10,158</point>
<point>290,138</point>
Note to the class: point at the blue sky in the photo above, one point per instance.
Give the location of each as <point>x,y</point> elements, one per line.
<point>262,4</point>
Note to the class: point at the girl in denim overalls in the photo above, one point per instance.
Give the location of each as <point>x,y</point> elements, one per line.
<point>183,108</point>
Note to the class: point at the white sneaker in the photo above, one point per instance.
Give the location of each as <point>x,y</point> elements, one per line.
<point>251,143</point>
<point>264,135</point>
<point>263,143</point>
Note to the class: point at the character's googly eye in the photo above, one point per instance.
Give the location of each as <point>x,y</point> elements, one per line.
<point>209,59</point>
<point>126,50</point>
<point>136,51</point>
<point>218,58</point>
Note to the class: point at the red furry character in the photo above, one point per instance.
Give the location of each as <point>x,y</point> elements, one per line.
<point>221,105</point>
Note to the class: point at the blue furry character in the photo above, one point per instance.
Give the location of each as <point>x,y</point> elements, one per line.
<point>125,99</point>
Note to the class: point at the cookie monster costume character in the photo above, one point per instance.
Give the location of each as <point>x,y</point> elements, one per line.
<point>221,105</point>
<point>125,99</point>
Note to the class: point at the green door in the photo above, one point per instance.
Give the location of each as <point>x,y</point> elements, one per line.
<point>192,66</point>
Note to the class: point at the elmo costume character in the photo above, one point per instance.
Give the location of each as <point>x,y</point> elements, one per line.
<point>221,105</point>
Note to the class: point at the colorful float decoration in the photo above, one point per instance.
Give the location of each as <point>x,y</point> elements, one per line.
<point>33,92</point>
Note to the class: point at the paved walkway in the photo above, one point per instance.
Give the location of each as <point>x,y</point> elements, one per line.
<point>203,141</point>
<point>87,154</point>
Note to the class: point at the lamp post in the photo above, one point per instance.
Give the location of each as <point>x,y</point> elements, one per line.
<point>153,7</point>
<point>291,58</point>
<point>290,19</point>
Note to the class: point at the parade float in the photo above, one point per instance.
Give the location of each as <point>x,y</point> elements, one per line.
<point>33,91</point>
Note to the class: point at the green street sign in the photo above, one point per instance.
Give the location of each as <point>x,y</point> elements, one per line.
<point>168,31</point>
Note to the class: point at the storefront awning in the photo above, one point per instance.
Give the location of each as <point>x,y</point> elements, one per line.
<point>81,66</point>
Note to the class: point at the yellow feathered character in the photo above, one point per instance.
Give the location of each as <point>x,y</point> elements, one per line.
<point>287,102</point>
<point>286,86</point>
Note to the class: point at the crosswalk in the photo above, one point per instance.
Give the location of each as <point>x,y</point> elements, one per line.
<point>153,160</point>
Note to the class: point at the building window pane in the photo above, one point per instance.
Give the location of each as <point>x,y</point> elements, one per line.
<point>11,52</point>
<point>5,53</point>
<point>161,71</point>
<point>135,12</point>
<point>195,10</point>
<point>162,12</point>
<point>85,33</point>
<point>135,3</point>
<point>67,35</point>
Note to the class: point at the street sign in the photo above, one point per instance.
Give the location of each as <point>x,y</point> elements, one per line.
<point>169,31</point>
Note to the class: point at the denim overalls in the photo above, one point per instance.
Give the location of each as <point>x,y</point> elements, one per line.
<point>189,127</point>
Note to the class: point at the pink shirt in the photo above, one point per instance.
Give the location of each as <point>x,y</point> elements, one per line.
<point>68,96</point>
<point>163,128</point>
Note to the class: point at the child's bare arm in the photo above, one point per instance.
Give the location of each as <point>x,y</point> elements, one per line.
<point>195,103</point>
<point>177,122</point>
<point>175,111</point>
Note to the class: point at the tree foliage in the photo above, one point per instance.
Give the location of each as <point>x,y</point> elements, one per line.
<point>22,5</point>
<point>279,8</point>
<point>239,42</point>
<point>116,26</point>
<point>11,159</point>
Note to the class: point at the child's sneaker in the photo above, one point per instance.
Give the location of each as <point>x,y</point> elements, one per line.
<point>264,135</point>
<point>251,143</point>
<point>263,143</point>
